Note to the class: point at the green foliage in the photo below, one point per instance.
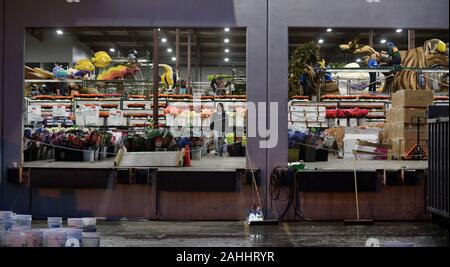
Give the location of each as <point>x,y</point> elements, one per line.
<point>304,55</point>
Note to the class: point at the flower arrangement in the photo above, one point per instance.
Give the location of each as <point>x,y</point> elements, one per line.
<point>52,97</point>
<point>137,96</point>
<point>89,95</point>
<point>346,113</point>
<point>136,105</point>
<point>109,106</point>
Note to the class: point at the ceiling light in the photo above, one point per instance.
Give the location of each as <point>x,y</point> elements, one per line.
<point>226,40</point>
<point>227,50</point>
<point>112,50</point>
<point>59,32</point>
<point>398,30</point>
<point>227,29</point>
<point>163,40</point>
<point>169,50</point>
<point>227,59</point>
<point>329,30</point>
<point>358,60</point>
<point>383,41</point>
<point>320,41</point>
<point>174,58</point>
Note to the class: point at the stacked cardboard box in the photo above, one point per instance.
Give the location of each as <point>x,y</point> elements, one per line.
<point>307,116</point>
<point>401,127</point>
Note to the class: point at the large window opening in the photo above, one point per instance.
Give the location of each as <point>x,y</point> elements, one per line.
<point>361,91</point>
<point>91,96</point>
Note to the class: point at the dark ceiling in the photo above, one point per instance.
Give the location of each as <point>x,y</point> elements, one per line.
<point>207,45</point>
<point>330,51</point>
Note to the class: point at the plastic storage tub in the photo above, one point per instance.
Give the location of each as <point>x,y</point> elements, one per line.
<point>6,220</point>
<point>13,239</point>
<point>34,238</point>
<point>89,224</point>
<point>91,240</point>
<point>55,238</point>
<point>54,222</point>
<point>21,222</point>
<point>75,223</point>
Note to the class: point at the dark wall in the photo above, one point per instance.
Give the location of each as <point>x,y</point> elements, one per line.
<point>2,17</point>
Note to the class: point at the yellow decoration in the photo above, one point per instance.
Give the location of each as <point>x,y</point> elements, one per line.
<point>167,77</point>
<point>441,47</point>
<point>84,64</point>
<point>101,59</point>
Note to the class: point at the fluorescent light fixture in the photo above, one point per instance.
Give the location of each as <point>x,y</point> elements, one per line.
<point>226,59</point>
<point>112,50</point>
<point>227,50</point>
<point>226,40</point>
<point>329,30</point>
<point>174,58</point>
<point>169,50</point>
<point>227,29</point>
<point>383,41</point>
<point>59,32</point>
<point>398,30</point>
<point>358,60</point>
<point>163,40</point>
<point>320,41</point>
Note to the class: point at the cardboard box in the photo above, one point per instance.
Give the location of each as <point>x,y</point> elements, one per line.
<point>343,122</point>
<point>298,126</point>
<point>412,98</point>
<point>324,124</point>
<point>297,116</point>
<point>386,133</point>
<point>408,131</point>
<point>406,114</point>
<point>390,115</point>
<point>361,121</point>
<point>305,108</point>
<point>314,125</point>
<point>331,122</point>
<point>321,119</point>
<point>353,122</point>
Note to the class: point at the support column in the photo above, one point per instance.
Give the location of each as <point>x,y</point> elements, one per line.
<point>177,50</point>
<point>371,38</point>
<point>188,75</point>
<point>155,78</point>
<point>411,39</point>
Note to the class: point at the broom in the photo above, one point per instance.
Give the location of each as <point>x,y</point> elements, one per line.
<point>255,188</point>
<point>358,220</point>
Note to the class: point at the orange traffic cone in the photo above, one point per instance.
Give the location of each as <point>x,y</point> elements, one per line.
<point>187,157</point>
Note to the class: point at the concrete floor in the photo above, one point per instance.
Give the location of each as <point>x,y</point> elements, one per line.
<point>297,234</point>
<point>231,163</point>
<point>209,162</point>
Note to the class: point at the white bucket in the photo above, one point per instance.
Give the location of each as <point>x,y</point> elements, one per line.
<point>196,153</point>
<point>88,155</point>
<point>91,240</point>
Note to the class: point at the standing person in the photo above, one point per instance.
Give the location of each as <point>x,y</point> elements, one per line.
<point>218,121</point>
<point>373,63</point>
<point>394,53</point>
<point>183,88</point>
<point>213,84</point>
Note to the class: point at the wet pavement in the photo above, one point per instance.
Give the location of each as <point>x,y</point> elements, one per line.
<point>298,234</point>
